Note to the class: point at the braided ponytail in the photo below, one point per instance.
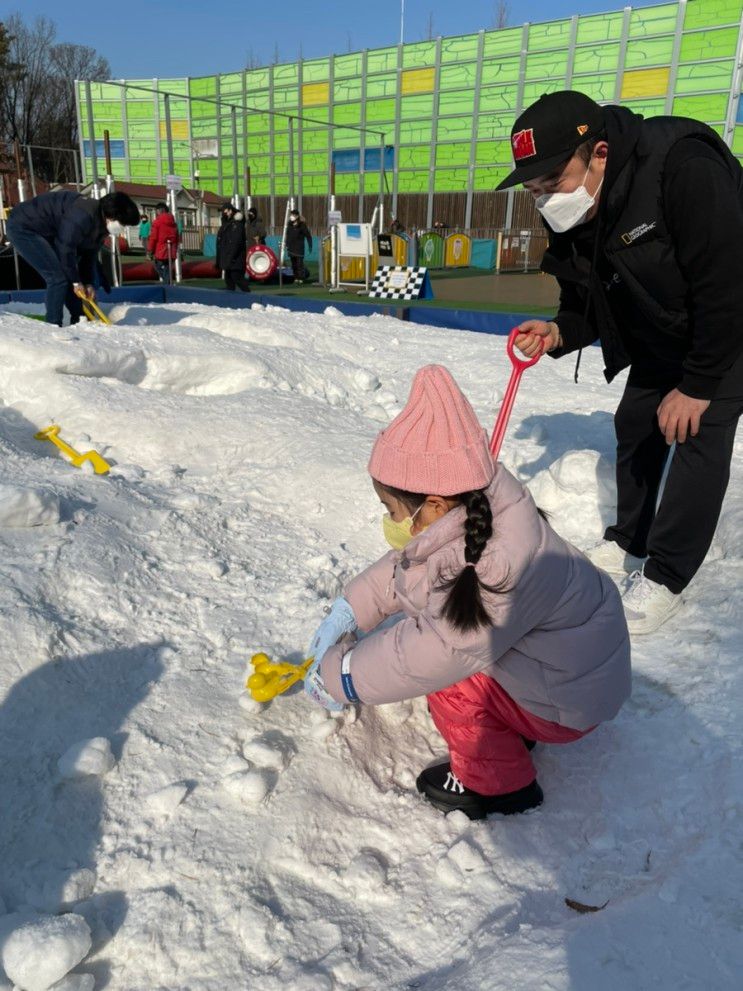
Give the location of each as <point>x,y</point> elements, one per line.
<point>464,607</point>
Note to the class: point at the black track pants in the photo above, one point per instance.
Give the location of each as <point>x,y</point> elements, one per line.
<point>677,536</point>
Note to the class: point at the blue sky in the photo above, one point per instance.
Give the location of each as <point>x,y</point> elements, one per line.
<point>195,38</point>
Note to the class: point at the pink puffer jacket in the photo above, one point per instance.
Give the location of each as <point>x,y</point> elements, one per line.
<point>558,643</point>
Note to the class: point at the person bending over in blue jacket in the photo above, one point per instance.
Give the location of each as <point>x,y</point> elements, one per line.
<point>60,235</point>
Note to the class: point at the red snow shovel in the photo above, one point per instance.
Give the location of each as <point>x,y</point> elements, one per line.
<point>519,365</point>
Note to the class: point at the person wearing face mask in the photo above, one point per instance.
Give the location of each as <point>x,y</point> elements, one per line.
<point>255,228</point>
<point>231,248</point>
<point>645,222</point>
<point>60,235</point>
<point>512,634</point>
<point>297,232</point>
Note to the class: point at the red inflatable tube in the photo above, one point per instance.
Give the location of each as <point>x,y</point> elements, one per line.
<point>200,270</point>
<point>141,272</point>
<point>260,263</point>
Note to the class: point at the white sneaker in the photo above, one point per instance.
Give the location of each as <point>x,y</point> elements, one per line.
<point>610,557</point>
<point>647,605</point>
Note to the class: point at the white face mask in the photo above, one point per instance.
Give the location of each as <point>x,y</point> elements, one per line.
<point>114,228</point>
<point>562,211</point>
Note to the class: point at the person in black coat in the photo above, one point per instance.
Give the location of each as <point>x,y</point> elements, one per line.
<point>645,222</point>
<point>60,235</point>
<point>297,232</point>
<point>256,229</point>
<point>231,247</point>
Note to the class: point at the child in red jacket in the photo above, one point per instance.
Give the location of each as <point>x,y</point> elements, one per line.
<point>162,245</point>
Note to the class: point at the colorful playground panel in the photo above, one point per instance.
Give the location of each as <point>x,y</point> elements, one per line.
<point>445,106</point>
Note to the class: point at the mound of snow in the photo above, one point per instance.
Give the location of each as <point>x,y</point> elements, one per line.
<point>87,757</point>
<point>43,949</point>
<point>22,506</point>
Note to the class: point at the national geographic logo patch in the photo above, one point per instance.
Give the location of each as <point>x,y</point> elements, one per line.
<point>637,232</point>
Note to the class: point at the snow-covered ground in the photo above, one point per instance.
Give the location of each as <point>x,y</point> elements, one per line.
<point>233,845</point>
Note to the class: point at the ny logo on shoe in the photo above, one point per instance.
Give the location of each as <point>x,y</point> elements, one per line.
<point>453,783</point>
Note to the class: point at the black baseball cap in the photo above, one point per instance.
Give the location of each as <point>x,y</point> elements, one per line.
<point>548,132</point>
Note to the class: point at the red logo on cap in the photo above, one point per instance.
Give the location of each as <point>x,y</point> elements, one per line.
<point>523,144</point>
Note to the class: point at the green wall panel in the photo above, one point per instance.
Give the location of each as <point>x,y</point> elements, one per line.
<point>415,107</point>
<point>488,179</point>
<point>459,49</point>
<point>419,56</point>
<point>648,52</point>
<point>413,182</point>
<point>415,157</point>
<point>653,20</point>
<point>454,76</point>
<point>712,107</point>
<point>700,14</point>
<point>555,34</point>
<point>381,60</point>
<point>708,44</point>
<point>505,42</point>
<point>702,82</point>
<point>461,102</point>
<point>457,153</point>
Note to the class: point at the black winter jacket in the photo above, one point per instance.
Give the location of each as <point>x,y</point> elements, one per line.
<point>256,231</point>
<point>296,235</point>
<point>73,225</point>
<point>657,273</point>
<point>231,244</point>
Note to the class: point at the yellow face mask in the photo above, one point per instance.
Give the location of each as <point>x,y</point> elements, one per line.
<point>398,535</point>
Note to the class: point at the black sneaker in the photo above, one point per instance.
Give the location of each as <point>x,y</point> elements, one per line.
<point>445,791</point>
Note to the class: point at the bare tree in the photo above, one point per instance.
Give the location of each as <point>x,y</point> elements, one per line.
<point>501,14</point>
<point>429,32</point>
<point>349,42</point>
<point>253,61</point>
<point>37,100</point>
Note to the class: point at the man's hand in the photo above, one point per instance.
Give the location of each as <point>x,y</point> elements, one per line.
<point>679,416</point>
<point>90,293</point>
<point>532,333</point>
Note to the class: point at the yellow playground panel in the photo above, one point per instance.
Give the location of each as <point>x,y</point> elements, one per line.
<point>457,251</point>
<point>352,269</point>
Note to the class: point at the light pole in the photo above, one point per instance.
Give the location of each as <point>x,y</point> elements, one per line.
<point>402,21</point>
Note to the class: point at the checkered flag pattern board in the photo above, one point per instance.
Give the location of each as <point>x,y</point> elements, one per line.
<point>399,282</point>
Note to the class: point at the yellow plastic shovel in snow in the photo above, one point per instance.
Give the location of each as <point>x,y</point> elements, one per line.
<point>93,311</point>
<point>270,679</point>
<point>100,465</point>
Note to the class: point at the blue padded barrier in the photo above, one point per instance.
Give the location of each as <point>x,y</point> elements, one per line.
<point>124,294</point>
<point>480,321</point>
<point>210,245</point>
<point>483,253</point>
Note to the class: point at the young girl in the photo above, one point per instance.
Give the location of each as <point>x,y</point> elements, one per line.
<point>511,633</point>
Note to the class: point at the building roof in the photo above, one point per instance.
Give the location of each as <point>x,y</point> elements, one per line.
<point>145,191</point>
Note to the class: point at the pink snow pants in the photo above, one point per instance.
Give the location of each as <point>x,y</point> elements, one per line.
<point>483,728</point>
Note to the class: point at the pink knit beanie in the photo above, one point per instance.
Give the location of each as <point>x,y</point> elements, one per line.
<point>435,445</point>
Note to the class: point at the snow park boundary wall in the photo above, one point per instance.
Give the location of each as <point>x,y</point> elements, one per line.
<point>454,319</point>
<point>445,107</point>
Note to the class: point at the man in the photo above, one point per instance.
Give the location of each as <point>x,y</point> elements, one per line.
<point>231,248</point>
<point>60,235</point>
<point>645,222</point>
<point>256,229</point>
<point>297,232</point>
<point>162,244</point>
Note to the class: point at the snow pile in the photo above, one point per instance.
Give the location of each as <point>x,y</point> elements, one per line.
<point>268,846</point>
<point>87,757</point>
<point>42,950</point>
<point>24,506</point>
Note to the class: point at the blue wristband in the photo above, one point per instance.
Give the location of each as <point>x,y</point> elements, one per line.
<point>346,679</point>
